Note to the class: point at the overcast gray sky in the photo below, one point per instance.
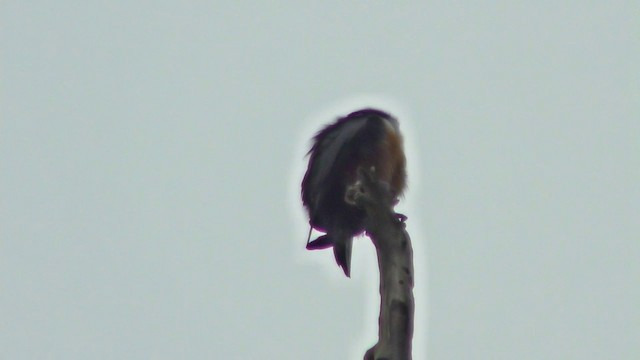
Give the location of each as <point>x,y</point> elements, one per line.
<point>151,153</point>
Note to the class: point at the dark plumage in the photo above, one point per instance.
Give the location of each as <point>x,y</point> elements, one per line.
<point>365,138</point>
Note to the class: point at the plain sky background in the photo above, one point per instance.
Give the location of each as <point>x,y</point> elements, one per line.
<point>151,153</point>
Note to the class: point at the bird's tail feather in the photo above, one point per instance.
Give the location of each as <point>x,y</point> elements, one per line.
<point>341,249</point>
<point>342,253</point>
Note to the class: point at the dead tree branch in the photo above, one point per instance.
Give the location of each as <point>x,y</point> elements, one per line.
<point>395,262</point>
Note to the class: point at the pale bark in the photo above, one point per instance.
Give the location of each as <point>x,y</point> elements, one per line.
<point>395,262</point>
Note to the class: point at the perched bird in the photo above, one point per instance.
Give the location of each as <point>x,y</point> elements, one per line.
<point>367,138</point>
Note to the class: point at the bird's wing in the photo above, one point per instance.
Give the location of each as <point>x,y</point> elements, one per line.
<point>329,146</point>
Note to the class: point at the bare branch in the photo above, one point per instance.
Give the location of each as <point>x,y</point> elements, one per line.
<point>395,262</point>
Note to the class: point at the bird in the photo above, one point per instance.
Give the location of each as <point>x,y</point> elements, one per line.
<point>367,138</point>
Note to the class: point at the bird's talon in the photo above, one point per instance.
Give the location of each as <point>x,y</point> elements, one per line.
<point>401,217</point>
<point>353,193</point>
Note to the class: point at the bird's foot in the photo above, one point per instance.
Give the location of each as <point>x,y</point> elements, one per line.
<point>400,217</point>
<point>354,191</point>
